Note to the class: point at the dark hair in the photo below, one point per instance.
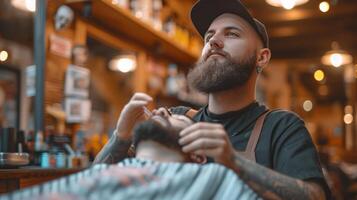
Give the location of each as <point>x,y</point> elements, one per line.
<point>151,130</point>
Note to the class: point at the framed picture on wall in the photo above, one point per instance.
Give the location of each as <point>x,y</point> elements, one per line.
<point>9,96</point>
<point>77,81</point>
<point>77,110</point>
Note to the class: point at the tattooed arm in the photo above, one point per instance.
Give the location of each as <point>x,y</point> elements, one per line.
<point>114,151</point>
<point>272,185</point>
<point>210,139</point>
<point>117,147</point>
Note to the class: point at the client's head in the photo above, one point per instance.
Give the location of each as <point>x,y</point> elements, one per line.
<point>157,139</point>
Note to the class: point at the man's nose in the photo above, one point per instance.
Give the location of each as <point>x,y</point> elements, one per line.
<point>216,42</point>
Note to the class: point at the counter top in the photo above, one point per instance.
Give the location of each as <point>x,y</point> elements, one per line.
<point>14,179</point>
<point>32,172</point>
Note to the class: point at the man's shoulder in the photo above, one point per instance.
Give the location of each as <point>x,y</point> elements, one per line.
<point>178,167</point>
<point>198,176</point>
<point>283,116</point>
<point>283,124</point>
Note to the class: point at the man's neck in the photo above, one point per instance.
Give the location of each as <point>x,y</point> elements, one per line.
<point>231,100</point>
<point>151,150</point>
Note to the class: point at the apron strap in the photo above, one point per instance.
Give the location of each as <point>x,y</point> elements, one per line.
<point>249,152</point>
<point>191,113</point>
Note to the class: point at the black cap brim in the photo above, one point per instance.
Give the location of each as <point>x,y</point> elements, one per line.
<point>205,11</point>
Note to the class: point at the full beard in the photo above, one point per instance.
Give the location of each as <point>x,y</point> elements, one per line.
<point>212,76</point>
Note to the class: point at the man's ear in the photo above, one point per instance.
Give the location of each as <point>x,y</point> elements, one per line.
<point>264,56</point>
<point>200,159</point>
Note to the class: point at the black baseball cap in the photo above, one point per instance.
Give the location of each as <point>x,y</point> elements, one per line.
<point>205,11</point>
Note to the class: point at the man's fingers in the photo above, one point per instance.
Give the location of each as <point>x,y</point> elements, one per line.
<point>141,96</point>
<point>203,143</point>
<point>134,109</point>
<point>207,152</point>
<point>136,104</point>
<point>200,126</point>
<point>163,112</point>
<point>188,138</point>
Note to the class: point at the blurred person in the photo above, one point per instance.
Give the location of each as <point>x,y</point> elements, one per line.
<point>160,170</point>
<point>157,139</point>
<point>154,133</point>
<point>272,151</point>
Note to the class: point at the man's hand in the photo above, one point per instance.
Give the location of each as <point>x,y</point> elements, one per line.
<point>132,113</point>
<point>210,140</point>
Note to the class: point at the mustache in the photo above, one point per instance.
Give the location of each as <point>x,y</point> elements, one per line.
<point>216,51</point>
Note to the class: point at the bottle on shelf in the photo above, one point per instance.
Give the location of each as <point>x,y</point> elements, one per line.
<point>171,81</point>
<point>39,141</point>
<point>122,3</point>
<point>169,26</point>
<point>156,14</point>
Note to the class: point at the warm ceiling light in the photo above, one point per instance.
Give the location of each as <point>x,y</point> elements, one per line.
<point>319,75</point>
<point>26,5</point>
<point>348,118</point>
<point>287,4</point>
<point>324,6</point>
<point>336,57</point>
<point>123,63</point>
<point>307,105</point>
<point>3,56</point>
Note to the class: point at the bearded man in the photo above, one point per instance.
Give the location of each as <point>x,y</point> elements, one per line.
<point>272,151</point>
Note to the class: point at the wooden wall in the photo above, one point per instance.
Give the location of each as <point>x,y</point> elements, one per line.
<point>104,81</point>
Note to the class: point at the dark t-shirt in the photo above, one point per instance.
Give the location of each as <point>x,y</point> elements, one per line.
<point>284,145</point>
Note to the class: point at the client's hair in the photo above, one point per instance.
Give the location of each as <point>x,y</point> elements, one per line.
<point>152,130</point>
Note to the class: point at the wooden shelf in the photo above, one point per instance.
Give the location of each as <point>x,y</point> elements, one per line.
<point>124,23</point>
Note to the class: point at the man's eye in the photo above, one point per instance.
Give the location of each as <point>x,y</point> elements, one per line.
<point>233,34</point>
<point>208,37</point>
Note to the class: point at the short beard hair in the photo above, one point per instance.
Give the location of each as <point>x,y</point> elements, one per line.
<point>213,76</point>
<point>151,130</point>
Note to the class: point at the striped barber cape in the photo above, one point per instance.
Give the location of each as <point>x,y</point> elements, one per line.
<point>143,179</point>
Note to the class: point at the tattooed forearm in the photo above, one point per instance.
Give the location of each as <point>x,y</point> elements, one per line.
<point>114,151</point>
<point>272,185</point>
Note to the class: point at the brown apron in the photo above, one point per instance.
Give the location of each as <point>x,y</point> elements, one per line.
<point>249,152</point>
